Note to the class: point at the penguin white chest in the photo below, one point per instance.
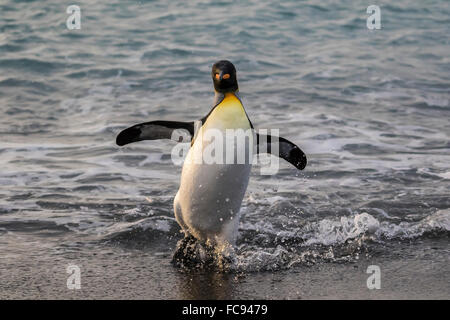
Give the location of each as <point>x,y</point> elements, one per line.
<point>213,184</point>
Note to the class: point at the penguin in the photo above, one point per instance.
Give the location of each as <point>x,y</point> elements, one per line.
<point>210,195</point>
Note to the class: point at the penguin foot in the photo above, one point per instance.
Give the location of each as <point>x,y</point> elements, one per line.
<point>191,253</point>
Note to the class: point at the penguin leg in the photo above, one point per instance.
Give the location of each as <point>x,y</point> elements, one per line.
<point>224,257</point>
<point>192,253</point>
<point>183,250</point>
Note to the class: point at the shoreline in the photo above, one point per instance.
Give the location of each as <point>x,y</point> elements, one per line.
<point>409,271</point>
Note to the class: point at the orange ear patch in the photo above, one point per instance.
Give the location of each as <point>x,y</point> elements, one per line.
<point>226,76</point>
<point>217,76</point>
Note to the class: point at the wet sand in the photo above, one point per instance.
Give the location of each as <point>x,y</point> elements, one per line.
<point>120,273</point>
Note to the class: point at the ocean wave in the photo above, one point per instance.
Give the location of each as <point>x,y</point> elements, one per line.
<point>40,86</point>
<point>31,65</point>
<point>270,245</point>
<point>368,107</point>
<point>329,240</point>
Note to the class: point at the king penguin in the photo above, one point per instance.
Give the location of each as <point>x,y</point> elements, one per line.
<point>209,198</point>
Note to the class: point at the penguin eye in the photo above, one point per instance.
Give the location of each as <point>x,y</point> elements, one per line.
<point>226,76</point>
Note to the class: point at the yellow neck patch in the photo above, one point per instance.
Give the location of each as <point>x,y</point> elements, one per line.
<point>229,114</point>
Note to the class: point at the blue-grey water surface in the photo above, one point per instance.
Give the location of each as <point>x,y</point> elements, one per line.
<point>370,108</point>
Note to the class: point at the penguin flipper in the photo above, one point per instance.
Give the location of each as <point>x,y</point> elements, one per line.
<point>154,130</point>
<point>286,150</point>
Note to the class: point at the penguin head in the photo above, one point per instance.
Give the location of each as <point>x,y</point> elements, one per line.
<point>224,77</point>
